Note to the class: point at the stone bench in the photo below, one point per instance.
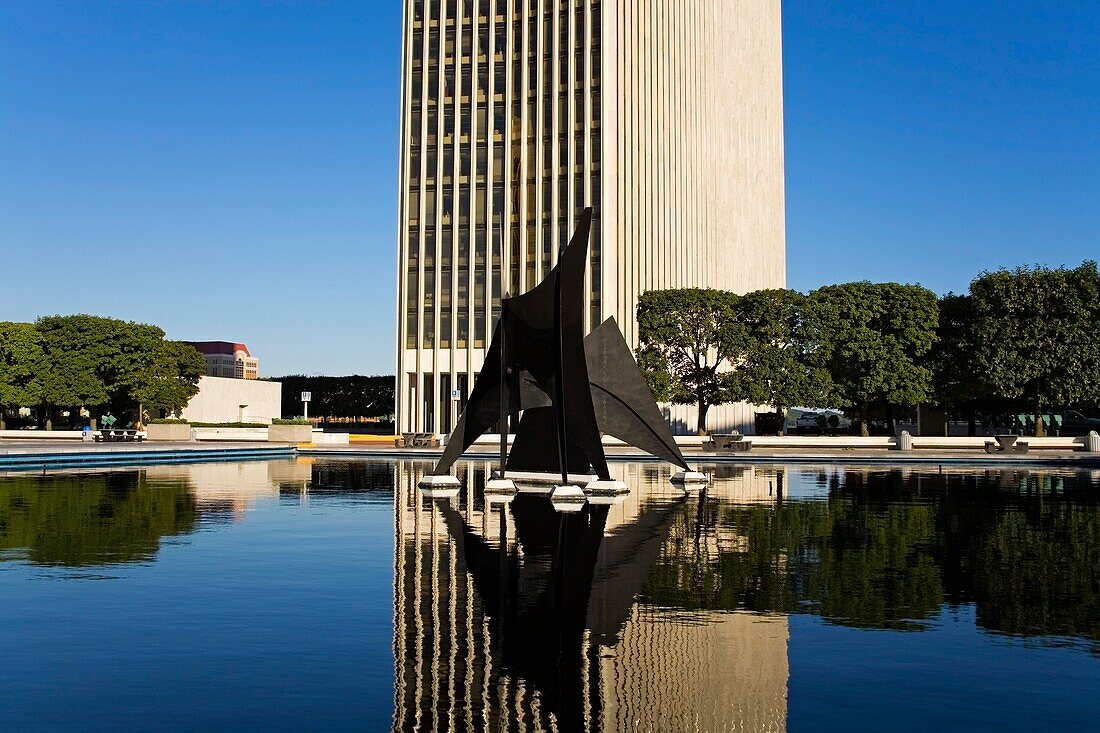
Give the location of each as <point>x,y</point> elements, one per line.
<point>417,440</point>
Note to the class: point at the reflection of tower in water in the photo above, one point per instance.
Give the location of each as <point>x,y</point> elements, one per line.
<point>496,640</point>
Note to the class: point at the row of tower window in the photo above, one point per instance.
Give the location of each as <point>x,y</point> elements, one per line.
<point>527,259</point>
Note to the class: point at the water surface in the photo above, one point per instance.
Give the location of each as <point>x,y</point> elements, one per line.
<point>332,595</point>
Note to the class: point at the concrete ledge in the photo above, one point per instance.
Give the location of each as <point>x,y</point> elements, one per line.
<point>236,435</point>
<point>175,432</point>
<point>290,434</point>
<point>41,434</point>
<point>1068,459</point>
<point>820,441</point>
<point>978,442</point>
<point>320,437</point>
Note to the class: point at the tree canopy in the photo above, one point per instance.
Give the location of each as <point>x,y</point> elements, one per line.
<point>89,361</point>
<point>170,378</point>
<point>22,364</point>
<point>875,338</point>
<point>779,366</point>
<point>690,340</point>
<point>1035,334</point>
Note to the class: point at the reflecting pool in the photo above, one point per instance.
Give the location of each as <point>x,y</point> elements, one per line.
<point>331,595</point>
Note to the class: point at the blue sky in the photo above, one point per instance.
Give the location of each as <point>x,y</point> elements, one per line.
<point>227,170</point>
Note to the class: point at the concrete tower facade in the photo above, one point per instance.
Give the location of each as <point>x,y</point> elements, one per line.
<point>665,117</point>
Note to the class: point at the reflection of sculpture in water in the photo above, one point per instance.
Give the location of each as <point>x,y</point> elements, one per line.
<point>525,618</point>
<point>537,602</point>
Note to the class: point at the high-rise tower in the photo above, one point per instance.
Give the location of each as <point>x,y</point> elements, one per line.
<point>665,116</point>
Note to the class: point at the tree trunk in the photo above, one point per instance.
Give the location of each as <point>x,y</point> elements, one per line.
<point>1040,429</point>
<point>890,418</point>
<point>864,431</point>
<point>701,422</point>
<point>971,420</point>
<point>781,420</point>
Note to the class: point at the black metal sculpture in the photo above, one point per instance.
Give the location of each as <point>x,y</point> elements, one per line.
<point>569,388</point>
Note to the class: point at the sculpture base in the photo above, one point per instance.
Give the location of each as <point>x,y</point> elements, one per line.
<point>500,491</point>
<point>601,488</point>
<point>492,500</point>
<point>690,480</point>
<point>550,479</point>
<point>607,500</point>
<point>568,499</point>
<point>439,487</point>
<point>535,489</point>
<point>500,486</point>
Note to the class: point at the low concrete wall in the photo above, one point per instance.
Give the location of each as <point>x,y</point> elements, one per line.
<point>176,432</point>
<point>844,442</point>
<point>322,438</point>
<point>242,435</point>
<point>821,441</point>
<point>979,441</point>
<point>290,433</point>
<point>41,434</point>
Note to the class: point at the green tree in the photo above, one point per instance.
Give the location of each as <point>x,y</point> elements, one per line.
<point>22,364</point>
<point>957,384</point>
<point>778,368</point>
<point>74,347</point>
<point>139,360</point>
<point>690,341</point>
<point>95,361</point>
<point>172,378</point>
<point>1035,334</point>
<point>875,337</point>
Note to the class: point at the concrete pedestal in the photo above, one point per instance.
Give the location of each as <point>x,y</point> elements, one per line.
<point>690,480</point>
<point>607,499</point>
<point>439,487</point>
<point>492,500</point>
<point>500,490</point>
<point>600,488</point>
<point>568,499</point>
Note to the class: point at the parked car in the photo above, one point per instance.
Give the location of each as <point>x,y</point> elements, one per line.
<point>821,423</point>
<point>1075,423</point>
<point>810,423</point>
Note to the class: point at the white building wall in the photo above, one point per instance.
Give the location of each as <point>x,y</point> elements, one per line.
<point>220,399</point>
<point>698,135</point>
<point>666,117</point>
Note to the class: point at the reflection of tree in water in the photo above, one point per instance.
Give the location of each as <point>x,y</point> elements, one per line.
<point>887,550</point>
<point>91,519</point>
